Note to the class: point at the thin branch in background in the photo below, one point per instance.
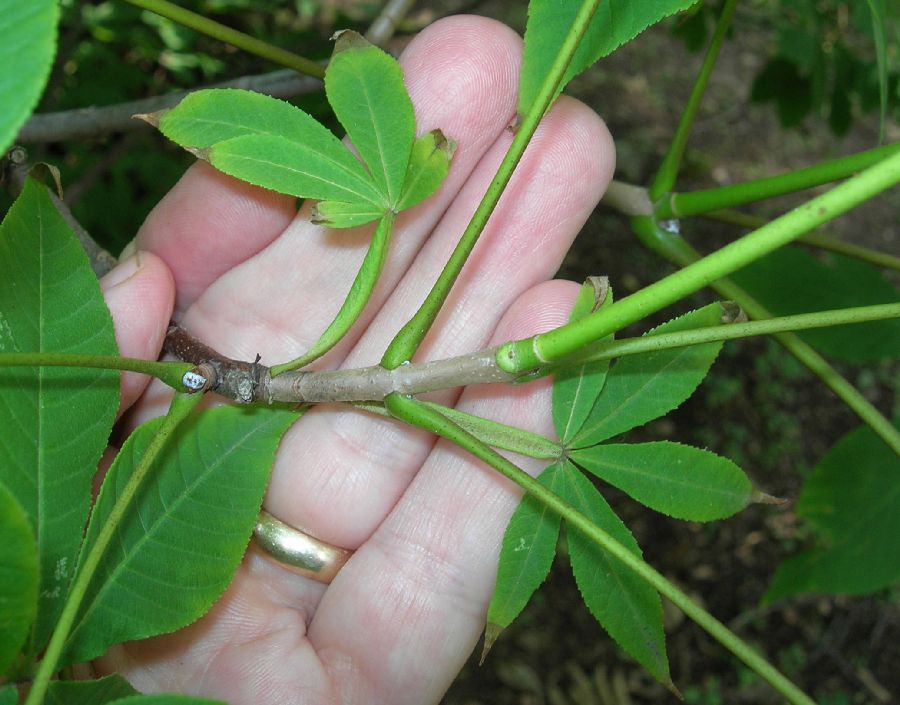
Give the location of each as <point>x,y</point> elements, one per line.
<point>384,26</point>
<point>831,244</point>
<point>15,170</point>
<point>94,122</point>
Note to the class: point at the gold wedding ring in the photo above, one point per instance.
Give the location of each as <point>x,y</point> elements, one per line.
<point>298,551</point>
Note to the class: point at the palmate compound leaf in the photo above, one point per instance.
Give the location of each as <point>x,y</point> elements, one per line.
<point>526,555</point>
<point>18,578</point>
<point>628,608</point>
<point>177,548</point>
<point>615,22</point>
<point>56,421</point>
<point>852,502</point>
<point>265,134</point>
<point>640,388</point>
<point>27,45</point>
<point>365,88</point>
<point>677,480</point>
<point>575,389</point>
<point>94,692</point>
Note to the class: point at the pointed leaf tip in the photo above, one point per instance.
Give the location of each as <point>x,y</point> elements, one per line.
<point>348,39</point>
<point>759,497</point>
<point>152,119</point>
<point>491,633</point>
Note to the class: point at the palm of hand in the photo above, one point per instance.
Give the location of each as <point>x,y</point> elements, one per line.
<point>425,521</point>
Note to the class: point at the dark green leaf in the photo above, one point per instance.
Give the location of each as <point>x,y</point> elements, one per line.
<point>677,480</point>
<point>365,88</point>
<point>8,695</point>
<point>27,45</point>
<point>852,503</point>
<point>338,214</point>
<point>639,388</point>
<point>294,168</point>
<point>164,699</point>
<point>529,545</point>
<point>176,550</point>
<point>429,163</point>
<point>791,281</point>
<point>96,692</point>
<point>327,168</point>
<point>626,606</point>
<point>615,23</point>
<point>18,578</point>
<point>575,389</point>
<point>56,421</point>
<point>781,82</point>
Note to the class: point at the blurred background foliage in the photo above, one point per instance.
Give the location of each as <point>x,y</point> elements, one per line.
<point>821,64</point>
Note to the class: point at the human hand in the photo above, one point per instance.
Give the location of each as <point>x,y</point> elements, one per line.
<point>424,520</point>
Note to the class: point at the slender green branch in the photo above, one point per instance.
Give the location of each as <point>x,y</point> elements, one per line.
<point>606,350</point>
<point>864,254</point>
<point>181,406</point>
<point>419,415</point>
<point>408,339</point>
<point>171,373</point>
<point>525,355</point>
<point>681,205</point>
<point>216,30</point>
<point>668,170</point>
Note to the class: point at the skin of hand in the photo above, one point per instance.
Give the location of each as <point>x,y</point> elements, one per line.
<point>248,275</point>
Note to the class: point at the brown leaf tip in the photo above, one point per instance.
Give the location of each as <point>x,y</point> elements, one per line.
<point>491,632</point>
<point>348,39</point>
<point>152,119</point>
<point>762,498</point>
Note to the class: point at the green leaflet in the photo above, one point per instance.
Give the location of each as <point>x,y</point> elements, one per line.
<point>27,46</point>
<point>56,421</point>
<point>325,168</point>
<point>365,89</point>
<point>677,480</point>
<point>575,389</point>
<point>526,555</point>
<point>615,22</point>
<point>338,214</point>
<point>429,163</point>
<point>18,578</point>
<point>294,168</point>
<point>9,695</point>
<point>639,388</point>
<point>356,300</point>
<point>626,606</point>
<point>852,502</point>
<point>95,692</point>
<point>164,699</point>
<point>176,551</point>
<point>790,281</point>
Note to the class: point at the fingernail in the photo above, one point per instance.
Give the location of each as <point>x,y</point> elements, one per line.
<point>123,272</point>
